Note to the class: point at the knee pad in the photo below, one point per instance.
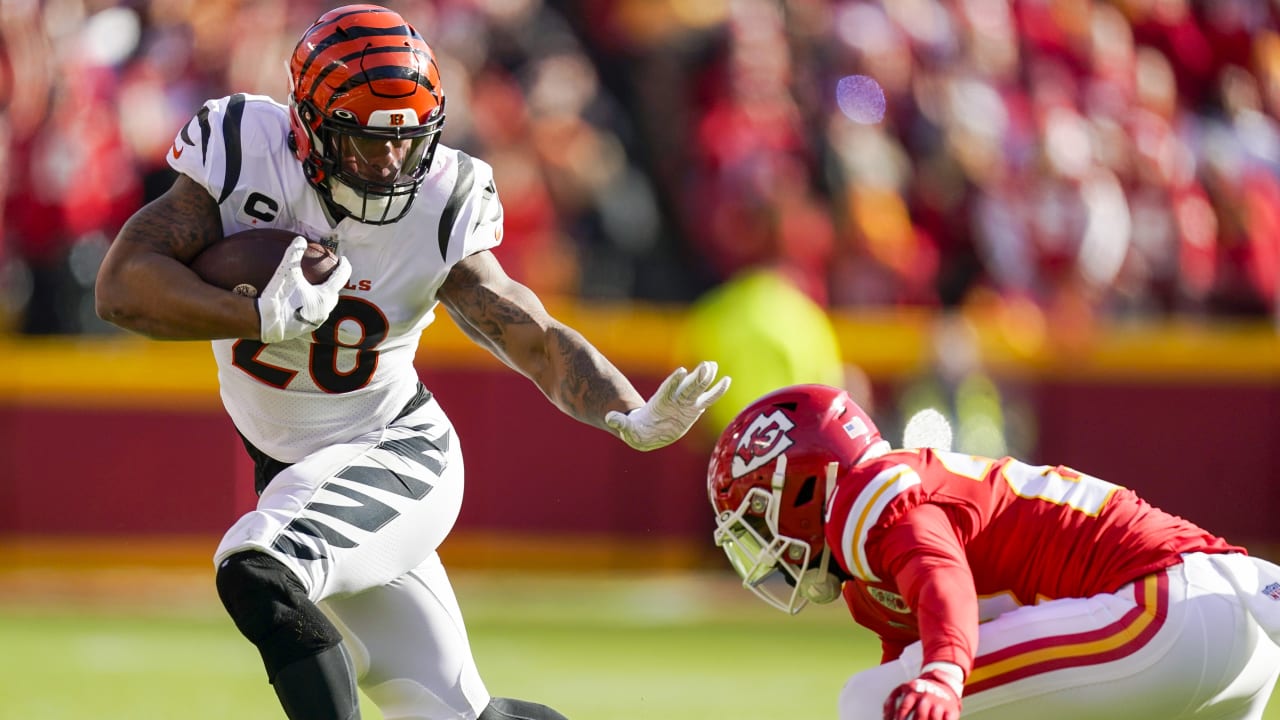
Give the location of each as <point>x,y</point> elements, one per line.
<point>500,708</point>
<point>269,606</point>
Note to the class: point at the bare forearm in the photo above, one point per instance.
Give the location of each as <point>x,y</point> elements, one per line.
<point>144,284</point>
<point>510,321</point>
<point>581,381</point>
<point>160,298</point>
<point>574,376</point>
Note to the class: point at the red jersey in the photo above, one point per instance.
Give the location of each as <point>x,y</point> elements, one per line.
<point>937,541</point>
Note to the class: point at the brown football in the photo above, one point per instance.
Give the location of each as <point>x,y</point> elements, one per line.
<point>244,262</point>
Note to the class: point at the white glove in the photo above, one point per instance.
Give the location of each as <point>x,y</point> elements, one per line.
<point>934,695</point>
<point>290,306</point>
<point>672,410</point>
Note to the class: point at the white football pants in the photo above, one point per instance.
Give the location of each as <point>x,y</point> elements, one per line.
<point>1197,641</point>
<point>359,524</point>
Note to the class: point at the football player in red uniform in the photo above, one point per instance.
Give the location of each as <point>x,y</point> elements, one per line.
<point>334,576</point>
<point>1011,590</point>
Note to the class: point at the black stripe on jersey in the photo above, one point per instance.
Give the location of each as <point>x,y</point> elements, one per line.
<point>389,480</point>
<point>385,72</point>
<point>291,547</point>
<point>291,541</point>
<point>202,118</point>
<point>231,143</point>
<point>488,198</point>
<point>371,51</point>
<point>367,514</point>
<point>341,35</point>
<point>461,189</point>
<point>427,453</point>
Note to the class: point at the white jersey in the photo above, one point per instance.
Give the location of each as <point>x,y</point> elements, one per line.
<point>356,372</point>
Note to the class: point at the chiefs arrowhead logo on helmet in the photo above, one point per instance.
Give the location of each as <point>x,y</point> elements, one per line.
<point>763,440</point>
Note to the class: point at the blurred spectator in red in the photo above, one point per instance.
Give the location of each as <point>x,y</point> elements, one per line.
<point>77,182</point>
<point>1083,157</point>
<point>748,196</point>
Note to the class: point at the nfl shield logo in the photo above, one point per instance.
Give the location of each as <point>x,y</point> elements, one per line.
<point>1272,591</point>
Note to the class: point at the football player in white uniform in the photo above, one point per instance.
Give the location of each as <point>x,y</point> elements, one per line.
<point>334,577</point>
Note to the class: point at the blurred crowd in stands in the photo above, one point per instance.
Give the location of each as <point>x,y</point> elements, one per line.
<point>1109,157</point>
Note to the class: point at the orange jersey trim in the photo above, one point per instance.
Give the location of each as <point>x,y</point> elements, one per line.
<point>1094,647</point>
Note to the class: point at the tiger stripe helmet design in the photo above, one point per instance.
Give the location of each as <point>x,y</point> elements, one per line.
<point>366,108</point>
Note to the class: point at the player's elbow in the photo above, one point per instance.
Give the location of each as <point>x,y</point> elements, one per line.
<point>114,302</point>
<point>110,307</point>
<point>107,301</point>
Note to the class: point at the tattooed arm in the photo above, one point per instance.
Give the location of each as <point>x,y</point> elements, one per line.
<point>145,286</point>
<point>506,318</point>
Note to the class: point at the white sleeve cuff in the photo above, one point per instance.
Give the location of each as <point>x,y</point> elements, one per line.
<point>950,672</point>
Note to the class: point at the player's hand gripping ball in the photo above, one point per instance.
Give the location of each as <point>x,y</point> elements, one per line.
<point>245,261</point>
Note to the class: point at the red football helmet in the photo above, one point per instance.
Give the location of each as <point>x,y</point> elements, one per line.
<point>367,107</point>
<point>771,473</point>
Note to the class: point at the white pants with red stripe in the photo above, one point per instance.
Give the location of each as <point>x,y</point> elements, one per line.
<point>1198,640</point>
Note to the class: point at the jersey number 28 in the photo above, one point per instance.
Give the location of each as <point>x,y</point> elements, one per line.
<point>325,344</point>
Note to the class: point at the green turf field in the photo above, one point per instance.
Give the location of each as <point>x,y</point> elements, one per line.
<point>599,648</point>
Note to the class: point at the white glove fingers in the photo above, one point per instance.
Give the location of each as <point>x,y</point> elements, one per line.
<point>293,254</point>
<point>691,383</point>
<point>290,306</point>
<point>672,410</point>
<point>715,393</point>
<point>291,262</point>
<point>697,382</point>
<point>671,386</point>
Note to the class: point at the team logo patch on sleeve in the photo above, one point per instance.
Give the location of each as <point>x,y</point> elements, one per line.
<point>1272,591</point>
<point>890,600</point>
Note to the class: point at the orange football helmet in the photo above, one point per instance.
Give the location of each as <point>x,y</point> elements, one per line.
<point>366,108</point>
<point>771,473</point>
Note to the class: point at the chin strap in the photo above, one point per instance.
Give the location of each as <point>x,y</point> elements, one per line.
<point>819,584</point>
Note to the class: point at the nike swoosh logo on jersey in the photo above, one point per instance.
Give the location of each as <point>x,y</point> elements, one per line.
<point>177,151</point>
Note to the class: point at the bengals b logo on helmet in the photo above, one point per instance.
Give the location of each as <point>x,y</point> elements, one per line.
<point>763,440</point>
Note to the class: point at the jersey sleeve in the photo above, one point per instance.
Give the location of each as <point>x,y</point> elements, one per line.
<point>219,141</point>
<point>923,552</point>
<point>874,498</point>
<point>472,216</point>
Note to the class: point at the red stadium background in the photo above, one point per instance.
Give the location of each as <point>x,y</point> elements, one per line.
<point>111,447</point>
<point>1094,184</point>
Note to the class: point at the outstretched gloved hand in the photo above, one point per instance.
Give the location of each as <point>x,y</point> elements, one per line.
<point>934,695</point>
<point>673,409</point>
<point>290,306</point>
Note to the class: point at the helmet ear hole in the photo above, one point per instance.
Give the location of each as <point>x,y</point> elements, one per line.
<point>808,490</point>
